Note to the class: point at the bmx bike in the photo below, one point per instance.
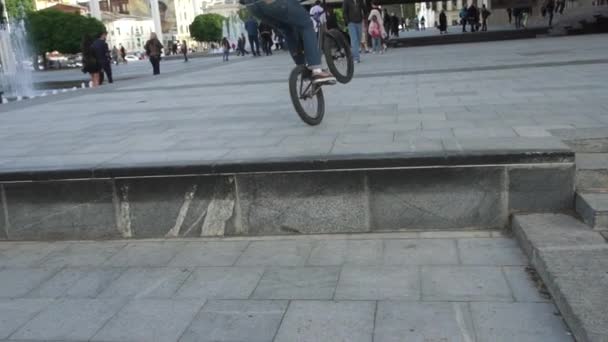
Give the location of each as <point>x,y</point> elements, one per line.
<point>307,97</point>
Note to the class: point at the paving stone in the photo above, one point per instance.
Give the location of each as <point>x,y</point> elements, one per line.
<point>221,283</point>
<point>18,282</point>
<point>464,283</point>
<point>270,253</point>
<point>406,321</point>
<point>236,321</point>
<point>76,283</point>
<point>197,254</point>
<point>146,283</point>
<point>525,322</point>
<point>312,321</point>
<point>150,320</point>
<point>493,251</point>
<point>420,252</point>
<point>378,283</point>
<point>83,254</point>
<point>297,283</point>
<point>349,252</point>
<point>145,254</point>
<point>28,254</point>
<point>16,312</point>
<point>70,319</point>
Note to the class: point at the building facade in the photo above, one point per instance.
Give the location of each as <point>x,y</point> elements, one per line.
<point>132,32</point>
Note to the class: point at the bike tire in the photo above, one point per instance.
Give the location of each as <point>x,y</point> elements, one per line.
<point>334,39</point>
<point>294,92</point>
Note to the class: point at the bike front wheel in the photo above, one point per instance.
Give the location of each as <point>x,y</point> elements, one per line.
<point>338,55</point>
<point>307,97</point>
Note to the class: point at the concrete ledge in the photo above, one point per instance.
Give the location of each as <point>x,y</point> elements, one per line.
<point>295,202</point>
<point>572,260</point>
<point>593,209</point>
<point>469,37</point>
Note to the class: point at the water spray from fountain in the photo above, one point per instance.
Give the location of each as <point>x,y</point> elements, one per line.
<point>15,76</point>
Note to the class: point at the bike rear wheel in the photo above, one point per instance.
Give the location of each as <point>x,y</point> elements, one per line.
<point>338,55</point>
<point>307,98</point>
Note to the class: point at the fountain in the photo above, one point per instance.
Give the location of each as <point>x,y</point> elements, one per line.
<point>428,13</point>
<point>15,77</point>
<point>232,28</point>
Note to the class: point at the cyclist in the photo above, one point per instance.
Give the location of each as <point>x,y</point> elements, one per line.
<point>290,17</point>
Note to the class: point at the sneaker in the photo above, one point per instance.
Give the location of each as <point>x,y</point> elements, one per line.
<point>323,77</point>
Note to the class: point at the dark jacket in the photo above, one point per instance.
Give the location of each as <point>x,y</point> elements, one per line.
<point>265,29</point>
<point>102,51</point>
<point>153,48</point>
<point>252,27</point>
<point>443,21</point>
<point>354,11</point>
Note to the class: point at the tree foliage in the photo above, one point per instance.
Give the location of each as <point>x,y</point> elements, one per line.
<point>207,27</point>
<point>51,30</point>
<point>13,7</point>
<point>244,13</point>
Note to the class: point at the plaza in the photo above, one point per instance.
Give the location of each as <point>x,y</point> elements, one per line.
<point>433,203</point>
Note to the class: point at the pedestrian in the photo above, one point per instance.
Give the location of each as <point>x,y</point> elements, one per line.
<point>266,35</point>
<point>407,24</point>
<point>174,48</point>
<point>548,10</point>
<point>243,44</point>
<point>225,49</point>
<point>90,64</point>
<point>375,12</point>
<point>485,13</point>
<point>102,53</point>
<point>123,54</point>
<point>561,4</point>
<point>471,17</point>
<point>422,23</point>
<point>115,55</point>
<point>386,21</point>
<point>251,26</point>
<point>354,12</point>
<point>154,49</point>
<point>375,31</point>
<point>517,14</point>
<point>185,51</point>
<point>510,14</point>
<point>395,25</point>
<point>464,13</point>
<point>443,22</point>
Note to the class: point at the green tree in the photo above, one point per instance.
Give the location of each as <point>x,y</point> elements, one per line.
<point>13,7</point>
<point>51,30</point>
<point>207,27</point>
<point>244,13</point>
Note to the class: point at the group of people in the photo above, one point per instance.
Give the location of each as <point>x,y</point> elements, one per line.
<point>472,15</point>
<point>261,34</point>
<point>97,57</point>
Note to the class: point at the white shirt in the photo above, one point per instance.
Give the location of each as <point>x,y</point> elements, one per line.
<point>317,12</point>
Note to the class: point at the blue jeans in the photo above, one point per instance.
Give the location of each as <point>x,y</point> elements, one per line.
<point>376,42</point>
<point>293,20</point>
<point>354,30</point>
<point>226,54</point>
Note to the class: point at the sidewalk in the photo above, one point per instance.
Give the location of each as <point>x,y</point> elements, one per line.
<point>433,286</point>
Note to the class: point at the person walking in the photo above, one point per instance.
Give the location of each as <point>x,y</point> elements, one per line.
<point>423,24</point>
<point>115,55</point>
<point>561,4</point>
<point>443,23</point>
<point>154,49</point>
<point>394,25</point>
<point>510,14</point>
<point>464,13</point>
<point>266,35</point>
<point>225,49</point>
<point>123,54</point>
<point>185,51</point>
<point>471,17</point>
<point>485,13</point>
<point>102,53</point>
<point>251,26</point>
<point>375,31</point>
<point>354,12</point>
<point>90,64</point>
<point>548,10</point>
<point>375,13</point>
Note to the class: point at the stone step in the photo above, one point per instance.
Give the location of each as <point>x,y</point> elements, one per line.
<point>572,260</point>
<point>593,208</point>
<point>592,172</point>
<point>584,140</point>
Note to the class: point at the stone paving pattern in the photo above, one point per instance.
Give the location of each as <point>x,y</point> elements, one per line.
<point>430,286</point>
<point>463,98</point>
